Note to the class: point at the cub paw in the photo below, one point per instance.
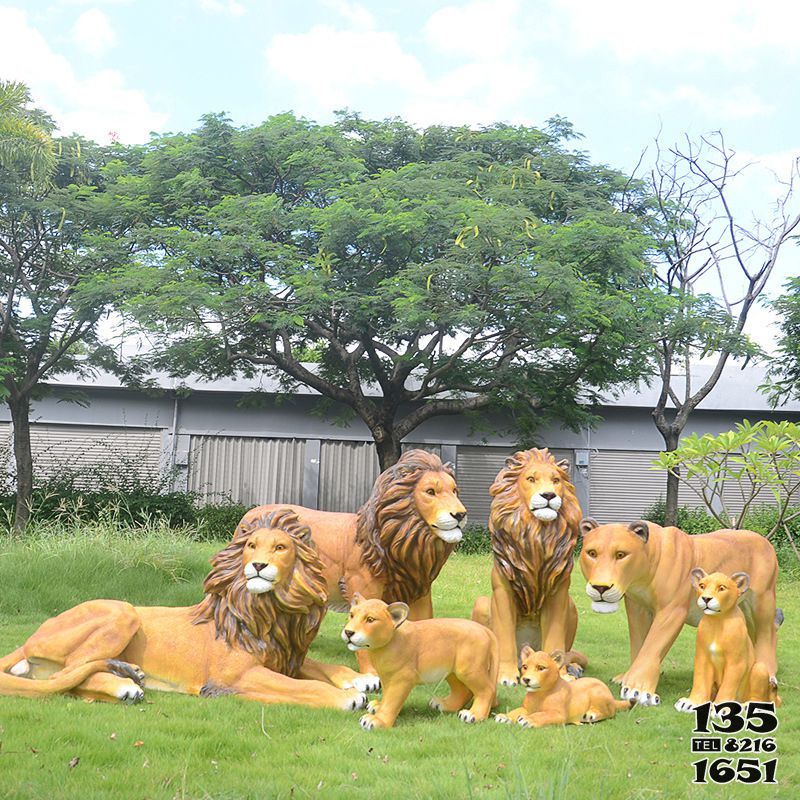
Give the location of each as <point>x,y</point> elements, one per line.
<point>373,706</point>
<point>589,716</point>
<point>685,705</point>
<point>355,701</point>
<point>466,716</point>
<point>508,678</point>
<point>524,722</point>
<point>366,683</point>
<point>436,704</point>
<point>369,722</point>
<point>502,719</point>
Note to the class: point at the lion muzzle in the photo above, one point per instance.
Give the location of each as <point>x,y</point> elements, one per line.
<point>709,605</point>
<point>260,578</point>
<point>605,598</point>
<point>449,528</point>
<point>354,641</point>
<point>545,506</point>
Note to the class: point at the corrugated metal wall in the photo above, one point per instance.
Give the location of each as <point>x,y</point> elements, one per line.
<point>95,454</point>
<point>476,470</point>
<point>348,471</point>
<point>247,470</point>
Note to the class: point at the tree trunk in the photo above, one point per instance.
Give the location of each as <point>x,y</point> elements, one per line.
<point>671,503</point>
<point>387,443</point>
<point>23,459</point>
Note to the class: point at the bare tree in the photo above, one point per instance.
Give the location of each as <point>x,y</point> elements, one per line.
<point>712,267</point>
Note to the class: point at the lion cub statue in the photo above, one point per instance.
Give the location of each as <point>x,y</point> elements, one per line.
<point>461,651</point>
<point>552,700</point>
<point>649,567</point>
<point>725,667</point>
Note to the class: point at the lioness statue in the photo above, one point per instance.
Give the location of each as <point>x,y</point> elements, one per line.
<point>650,567</point>
<point>458,650</point>
<point>264,602</point>
<point>534,526</point>
<point>725,668</point>
<point>552,700</point>
<point>394,547</point>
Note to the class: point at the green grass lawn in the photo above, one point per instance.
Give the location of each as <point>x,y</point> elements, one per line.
<point>186,747</point>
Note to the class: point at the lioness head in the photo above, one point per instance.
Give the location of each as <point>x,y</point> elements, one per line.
<point>268,558</point>
<point>612,558</point>
<point>372,623</point>
<point>436,499</point>
<point>539,670</point>
<point>718,593</point>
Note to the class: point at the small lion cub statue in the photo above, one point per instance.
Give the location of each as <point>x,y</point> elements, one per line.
<point>552,700</point>
<point>725,668</point>
<point>406,654</point>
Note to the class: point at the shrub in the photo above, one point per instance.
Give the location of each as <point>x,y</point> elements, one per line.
<point>477,539</point>
<point>216,522</point>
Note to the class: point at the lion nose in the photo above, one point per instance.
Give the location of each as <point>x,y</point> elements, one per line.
<point>258,566</point>
<point>348,633</point>
<point>459,515</point>
<point>600,588</point>
<point>548,495</point>
<point>526,680</point>
<point>706,600</point>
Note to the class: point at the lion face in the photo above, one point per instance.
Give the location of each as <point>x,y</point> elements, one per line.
<point>268,558</point>
<point>372,623</point>
<point>538,670</point>
<point>717,593</point>
<point>541,488</point>
<point>613,557</point>
<point>436,499</point>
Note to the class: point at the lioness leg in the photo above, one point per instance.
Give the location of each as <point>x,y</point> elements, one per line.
<point>457,698</point>
<point>482,611</point>
<point>265,686</point>
<point>766,633</point>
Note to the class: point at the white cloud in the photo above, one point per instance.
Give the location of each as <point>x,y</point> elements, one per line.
<point>231,7</point>
<point>353,13</point>
<point>93,32</point>
<point>370,70</point>
<point>730,29</point>
<point>94,106</point>
<point>738,102</point>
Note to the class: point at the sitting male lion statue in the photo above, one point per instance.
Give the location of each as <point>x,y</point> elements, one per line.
<point>534,526</point>
<point>651,567</point>
<point>394,547</point>
<point>264,602</point>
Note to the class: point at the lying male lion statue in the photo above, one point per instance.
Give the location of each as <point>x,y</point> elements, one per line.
<point>534,526</point>
<point>650,567</point>
<point>265,599</point>
<point>394,547</point>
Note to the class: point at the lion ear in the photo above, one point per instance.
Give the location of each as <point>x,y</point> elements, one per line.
<point>513,461</point>
<point>641,529</point>
<point>697,574</point>
<point>563,464</point>
<point>742,580</point>
<point>356,599</point>
<point>399,613</point>
<point>558,656</point>
<point>526,652</point>
<point>588,524</point>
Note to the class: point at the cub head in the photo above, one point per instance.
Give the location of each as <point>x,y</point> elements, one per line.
<point>717,593</point>
<point>372,623</point>
<point>268,559</point>
<point>612,558</point>
<point>539,671</point>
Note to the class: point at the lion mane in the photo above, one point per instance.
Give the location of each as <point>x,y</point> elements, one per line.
<point>277,626</point>
<point>534,556</point>
<point>397,544</point>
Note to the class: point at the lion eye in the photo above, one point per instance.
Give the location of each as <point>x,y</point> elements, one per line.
<point>252,545</point>
<point>621,555</point>
<point>592,553</point>
<point>531,479</point>
<point>556,480</point>
<point>370,620</point>
<point>721,588</point>
<point>280,546</point>
<point>431,492</point>
<point>540,667</point>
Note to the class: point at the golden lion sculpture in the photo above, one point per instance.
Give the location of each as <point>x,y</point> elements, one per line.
<point>264,602</point>
<point>534,526</point>
<point>650,567</point>
<point>394,547</point>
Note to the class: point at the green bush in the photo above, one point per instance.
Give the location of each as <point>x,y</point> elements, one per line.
<point>217,522</point>
<point>477,539</point>
<point>691,520</point>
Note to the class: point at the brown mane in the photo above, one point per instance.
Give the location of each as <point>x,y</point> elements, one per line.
<point>534,556</point>
<point>277,626</point>
<point>397,544</point>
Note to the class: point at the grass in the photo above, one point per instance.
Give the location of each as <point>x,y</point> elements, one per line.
<point>185,747</point>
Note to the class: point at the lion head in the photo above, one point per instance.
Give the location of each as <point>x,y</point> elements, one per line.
<point>410,524</point>
<point>266,592</point>
<point>534,525</point>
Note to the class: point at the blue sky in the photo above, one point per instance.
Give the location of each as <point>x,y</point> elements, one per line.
<point>620,70</point>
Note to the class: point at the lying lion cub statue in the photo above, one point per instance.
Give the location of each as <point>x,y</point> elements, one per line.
<point>461,651</point>
<point>650,567</point>
<point>264,602</point>
<point>551,700</point>
<point>725,668</point>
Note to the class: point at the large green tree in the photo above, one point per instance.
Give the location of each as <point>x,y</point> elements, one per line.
<point>62,232</point>
<point>423,273</point>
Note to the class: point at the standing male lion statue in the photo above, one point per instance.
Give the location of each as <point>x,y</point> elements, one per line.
<point>264,602</point>
<point>534,526</point>
<point>395,545</point>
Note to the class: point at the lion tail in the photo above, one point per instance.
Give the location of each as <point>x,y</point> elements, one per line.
<point>63,681</point>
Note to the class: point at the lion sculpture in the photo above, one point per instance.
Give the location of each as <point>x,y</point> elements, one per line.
<point>394,547</point>
<point>264,602</point>
<point>533,522</point>
<point>650,567</point>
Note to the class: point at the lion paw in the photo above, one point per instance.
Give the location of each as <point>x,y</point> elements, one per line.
<point>369,722</point>
<point>130,692</point>
<point>524,722</point>
<point>366,683</point>
<point>508,677</point>
<point>373,706</point>
<point>589,716</point>
<point>685,705</point>
<point>639,696</point>
<point>355,701</point>
<point>619,678</point>
<point>502,719</point>
<point>436,703</point>
<point>466,716</point>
